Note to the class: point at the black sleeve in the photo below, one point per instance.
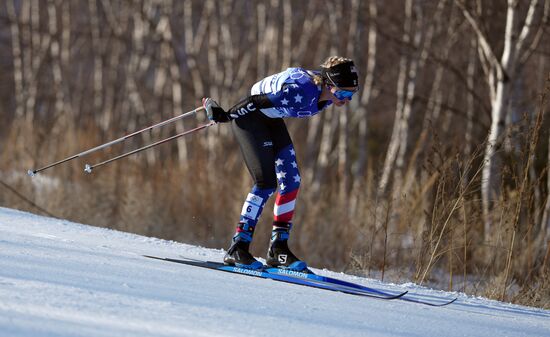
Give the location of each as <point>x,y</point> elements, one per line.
<point>250,104</point>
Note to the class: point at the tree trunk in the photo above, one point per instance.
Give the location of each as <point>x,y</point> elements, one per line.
<point>491,174</point>
<point>398,127</point>
<point>545,221</point>
<point>416,62</point>
<point>328,126</point>
<point>366,94</point>
<point>501,74</point>
<point>17,60</point>
<point>104,117</point>
<point>343,136</point>
<point>64,128</point>
<point>470,101</point>
<point>361,114</point>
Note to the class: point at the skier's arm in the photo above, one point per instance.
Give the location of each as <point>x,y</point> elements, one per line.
<point>290,96</point>
<point>249,104</point>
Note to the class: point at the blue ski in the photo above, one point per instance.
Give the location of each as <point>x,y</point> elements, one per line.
<point>312,276</point>
<point>263,273</point>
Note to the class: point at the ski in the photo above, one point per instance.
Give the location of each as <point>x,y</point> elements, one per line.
<point>312,276</point>
<point>262,273</point>
<point>431,304</point>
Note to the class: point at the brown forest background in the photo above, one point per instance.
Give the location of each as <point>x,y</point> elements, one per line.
<point>437,172</point>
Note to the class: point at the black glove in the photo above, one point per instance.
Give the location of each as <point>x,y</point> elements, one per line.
<point>219,115</point>
<point>214,112</point>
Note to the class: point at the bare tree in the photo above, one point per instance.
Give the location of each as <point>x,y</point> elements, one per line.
<point>519,43</point>
<point>99,48</point>
<point>360,116</point>
<point>406,86</point>
<point>545,221</point>
<point>470,99</point>
<point>343,135</point>
<point>17,60</point>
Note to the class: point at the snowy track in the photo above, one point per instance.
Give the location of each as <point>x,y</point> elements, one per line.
<point>58,278</point>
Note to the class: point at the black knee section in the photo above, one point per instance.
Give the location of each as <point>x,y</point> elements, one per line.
<point>265,180</point>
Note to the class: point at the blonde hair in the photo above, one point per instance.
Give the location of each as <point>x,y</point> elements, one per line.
<point>331,61</point>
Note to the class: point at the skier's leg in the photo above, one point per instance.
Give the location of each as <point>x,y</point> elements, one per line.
<point>254,140</point>
<point>288,176</point>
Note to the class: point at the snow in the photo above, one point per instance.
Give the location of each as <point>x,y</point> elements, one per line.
<point>59,278</point>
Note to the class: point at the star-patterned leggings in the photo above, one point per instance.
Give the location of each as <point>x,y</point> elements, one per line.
<point>271,160</point>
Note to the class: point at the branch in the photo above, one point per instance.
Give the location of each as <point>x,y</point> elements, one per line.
<point>523,57</point>
<point>458,72</point>
<point>483,41</point>
<point>527,26</point>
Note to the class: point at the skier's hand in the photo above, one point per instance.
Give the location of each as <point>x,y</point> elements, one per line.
<point>214,112</point>
<point>219,115</point>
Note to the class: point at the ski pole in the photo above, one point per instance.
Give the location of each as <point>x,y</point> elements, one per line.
<point>116,141</point>
<point>88,168</point>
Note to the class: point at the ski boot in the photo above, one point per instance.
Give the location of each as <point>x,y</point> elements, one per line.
<point>278,254</point>
<point>238,254</point>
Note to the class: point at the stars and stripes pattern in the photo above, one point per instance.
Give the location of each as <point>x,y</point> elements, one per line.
<point>292,92</point>
<point>289,179</point>
<point>251,211</point>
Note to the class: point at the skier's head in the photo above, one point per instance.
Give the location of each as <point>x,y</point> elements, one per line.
<point>340,76</point>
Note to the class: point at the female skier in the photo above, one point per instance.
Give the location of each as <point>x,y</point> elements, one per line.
<point>258,125</point>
